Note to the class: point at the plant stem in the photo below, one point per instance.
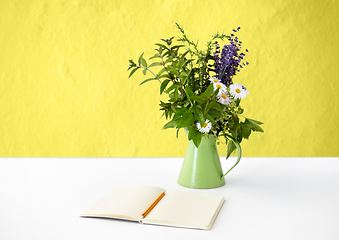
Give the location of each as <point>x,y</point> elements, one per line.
<point>155,76</point>
<point>182,90</point>
<point>163,64</point>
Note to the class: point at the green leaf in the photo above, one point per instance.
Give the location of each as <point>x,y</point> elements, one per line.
<point>161,45</point>
<point>190,132</point>
<point>167,41</point>
<point>170,124</point>
<point>144,71</point>
<point>155,56</point>
<point>186,121</point>
<point>142,61</point>
<point>174,72</point>
<point>209,117</point>
<point>215,93</point>
<point>173,108</point>
<point>199,116</point>
<point>176,117</point>
<point>171,88</point>
<point>131,64</point>
<point>177,46</point>
<point>183,76</point>
<point>245,130</point>
<point>197,98</point>
<point>167,53</point>
<point>161,72</point>
<point>164,85</point>
<point>182,56</point>
<point>165,76</point>
<point>255,126</point>
<point>216,106</point>
<point>132,72</point>
<point>178,132</point>
<point>197,138</point>
<point>254,121</point>
<point>207,108</point>
<point>155,64</point>
<point>240,110</point>
<point>236,124</point>
<point>147,80</point>
<point>209,91</point>
<point>189,91</point>
<point>230,149</point>
<point>181,111</point>
<point>181,63</point>
<point>176,93</point>
<point>237,102</point>
<point>169,60</point>
<point>214,113</point>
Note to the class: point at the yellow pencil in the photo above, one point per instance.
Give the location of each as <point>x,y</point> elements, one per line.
<point>152,205</point>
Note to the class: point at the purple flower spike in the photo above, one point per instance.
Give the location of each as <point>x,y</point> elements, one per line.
<point>228,62</point>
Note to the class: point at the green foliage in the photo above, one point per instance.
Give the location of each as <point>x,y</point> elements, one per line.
<point>183,72</point>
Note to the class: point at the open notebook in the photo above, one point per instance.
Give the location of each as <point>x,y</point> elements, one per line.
<point>174,208</point>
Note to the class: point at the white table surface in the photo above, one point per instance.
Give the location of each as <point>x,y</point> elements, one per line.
<point>265,198</point>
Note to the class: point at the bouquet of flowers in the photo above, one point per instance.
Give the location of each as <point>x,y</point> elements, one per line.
<point>202,96</point>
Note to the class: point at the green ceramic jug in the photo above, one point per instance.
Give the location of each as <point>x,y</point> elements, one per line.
<point>201,167</point>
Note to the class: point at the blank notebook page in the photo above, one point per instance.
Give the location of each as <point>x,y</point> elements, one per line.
<point>185,209</point>
<point>130,202</point>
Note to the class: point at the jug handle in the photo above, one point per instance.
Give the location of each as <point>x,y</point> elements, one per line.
<point>238,149</point>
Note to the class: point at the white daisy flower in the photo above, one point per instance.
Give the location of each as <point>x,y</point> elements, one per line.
<point>223,98</point>
<point>214,80</point>
<point>221,86</point>
<point>238,91</point>
<point>206,127</point>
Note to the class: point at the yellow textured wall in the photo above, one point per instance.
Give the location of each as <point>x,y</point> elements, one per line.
<point>64,89</point>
